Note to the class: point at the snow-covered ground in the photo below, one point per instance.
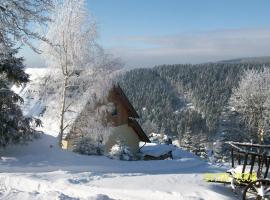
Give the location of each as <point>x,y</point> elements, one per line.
<point>40,170</point>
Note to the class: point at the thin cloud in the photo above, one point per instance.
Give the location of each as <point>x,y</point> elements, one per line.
<point>140,51</point>
<point>199,47</point>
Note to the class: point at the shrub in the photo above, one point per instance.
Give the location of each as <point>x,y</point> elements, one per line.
<point>121,151</point>
<point>88,146</point>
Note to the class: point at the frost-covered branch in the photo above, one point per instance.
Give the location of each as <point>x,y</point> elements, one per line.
<point>72,41</point>
<point>252,100</point>
<point>18,17</point>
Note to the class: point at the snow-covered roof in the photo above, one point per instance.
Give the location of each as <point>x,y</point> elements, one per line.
<point>156,150</point>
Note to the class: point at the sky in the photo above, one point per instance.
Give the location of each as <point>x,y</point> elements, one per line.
<point>145,33</point>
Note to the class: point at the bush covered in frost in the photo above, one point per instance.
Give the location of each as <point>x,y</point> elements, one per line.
<point>121,151</point>
<point>88,146</point>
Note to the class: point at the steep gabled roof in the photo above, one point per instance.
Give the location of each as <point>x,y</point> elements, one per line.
<point>123,98</point>
<point>138,129</point>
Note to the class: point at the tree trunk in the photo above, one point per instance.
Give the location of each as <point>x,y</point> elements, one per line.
<point>62,111</point>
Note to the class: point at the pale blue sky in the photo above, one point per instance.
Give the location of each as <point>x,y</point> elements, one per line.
<point>145,33</point>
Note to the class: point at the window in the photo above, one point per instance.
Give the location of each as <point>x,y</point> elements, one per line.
<point>114,110</point>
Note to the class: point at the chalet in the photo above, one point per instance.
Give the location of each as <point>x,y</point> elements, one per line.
<point>122,119</point>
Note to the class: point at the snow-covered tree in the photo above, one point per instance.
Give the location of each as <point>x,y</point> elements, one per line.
<point>14,127</point>
<point>72,46</point>
<point>16,16</point>
<point>251,99</point>
<point>149,127</point>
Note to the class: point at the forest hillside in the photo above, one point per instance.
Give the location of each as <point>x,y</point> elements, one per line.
<point>188,102</point>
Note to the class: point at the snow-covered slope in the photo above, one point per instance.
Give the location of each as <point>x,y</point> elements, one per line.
<point>33,105</point>
<point>41,170</point>
<point>41,97</point>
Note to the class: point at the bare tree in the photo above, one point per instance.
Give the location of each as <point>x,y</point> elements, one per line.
<point>72,46</point>
<point>252,100</point>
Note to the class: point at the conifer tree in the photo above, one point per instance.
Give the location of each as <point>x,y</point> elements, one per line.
<point>16,19</point>
<point>14,127</point>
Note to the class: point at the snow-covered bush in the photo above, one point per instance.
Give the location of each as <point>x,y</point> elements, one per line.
<point>160,138</point>
<point>89,147</point>
<point>121,151</point>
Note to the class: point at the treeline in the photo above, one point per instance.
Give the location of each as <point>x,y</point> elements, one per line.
<point>183,100</point>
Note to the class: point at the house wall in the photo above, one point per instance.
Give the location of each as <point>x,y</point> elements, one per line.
<point>67,144</point>
<point>120,131</point>
<point>125,134</point>
<point>122,114</point>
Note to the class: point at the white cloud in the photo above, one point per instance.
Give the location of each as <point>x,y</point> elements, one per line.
<point>193,48</point>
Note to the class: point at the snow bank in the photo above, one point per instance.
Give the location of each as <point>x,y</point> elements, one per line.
<point>41,170</point>
<point>43,155</point>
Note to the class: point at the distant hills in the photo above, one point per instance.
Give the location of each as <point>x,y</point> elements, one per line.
<point>258,60</point>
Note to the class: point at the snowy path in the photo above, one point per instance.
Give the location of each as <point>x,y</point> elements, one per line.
<point>37,171</point>
<point>54,185</point>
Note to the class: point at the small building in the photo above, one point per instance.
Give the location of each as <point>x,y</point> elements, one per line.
<point>123,124</point>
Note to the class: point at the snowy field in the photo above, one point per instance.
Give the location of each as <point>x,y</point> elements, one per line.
<point>41,170</point>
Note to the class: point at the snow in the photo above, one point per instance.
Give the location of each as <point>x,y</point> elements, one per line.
<point>158,138</point>
<point>176,142</point>
<point>156,150</point>
<point>179,153</point>
<point>41,170</point>
<point>35,100</point>
<point>238,169</point>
